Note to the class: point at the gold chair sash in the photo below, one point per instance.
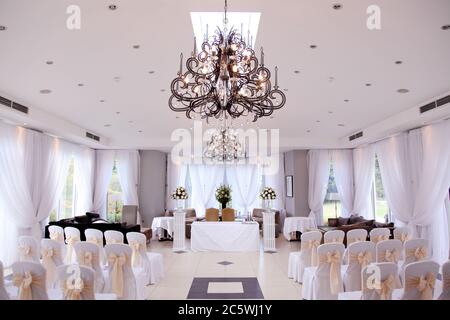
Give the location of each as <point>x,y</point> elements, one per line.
<point>424,285</point>
<point>136,259</point>
<point>56,236</point>
<point>25,252</point>
<point>48,261</point>
<point>74,289</point>
<point>419,253</point>
<point>404,237</point>
<point>381,237</point>
<point>117,281</point>
<point>25,282</point>
<point>390,256</point>
<point>334,259</point>
<point>446,283</point>
<point>386,287</point>
<point>363,258</point>
<point>311,245</point>
<point>87,258</point>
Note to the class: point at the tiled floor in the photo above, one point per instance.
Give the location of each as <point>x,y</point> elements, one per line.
<point>270,270</point>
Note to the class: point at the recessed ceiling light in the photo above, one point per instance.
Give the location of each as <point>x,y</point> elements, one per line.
<point>49,62</point>
<point>286,89</point>
<point>346,100</point>
<point>131,121</point>
<point>318,121</point>
<point>140,131</point>
<point>368,84</point>
<point>81,84</point>
<point>446,27</point>
<point>330,112</point>
<point>313,46</point>
<point>136,46</point>
<point>177,117</point>
<point>117,112</point>
<point>271,117</point>
<point>3,28</point>
<point>297,71</point>
<point>402,90</point>
<point>308,131</point>
<point>117,78</point>
<point>341,125</point>
<point>163,90</point>
<point>102,100</point>
<point>331,79</point>
<point>112,7</point>
<point>107,125</point>
<point>151,72</point>
<point>45,91</point>
<point>398,62</point>
<point>337,6</point>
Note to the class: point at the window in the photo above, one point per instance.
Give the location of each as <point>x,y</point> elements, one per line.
<point>382,211</point>
<point>114,197</point>
<point>332,205</point>
<point>66,203</point>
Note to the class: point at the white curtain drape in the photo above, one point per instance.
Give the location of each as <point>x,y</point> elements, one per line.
<point>128,162</point>
<point>205,179</point>
<point>318,162</point>
<point>364,166</point>
<point>176,177</point>
<point>84,162</point>
<point>393,157</point>
<point>104,162</point>
<point>343,175</point>
<point>245,181</point>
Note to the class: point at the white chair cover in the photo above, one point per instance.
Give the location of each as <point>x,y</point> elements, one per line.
<point>121,280</point>
<point>327,281</point>
<point>445,295</point>
<point>356,235</point>
<point>389,250</point>
<point>360,255</point>
<point>379,234</point>
<point>306,257</point>
<point>29,279</point>
<point>113,237</point>
<point>96,236</point>
<point>374,288</point>
<point>403,234</point>
<point>56,233</point>
<point>88,255</point>
<point>51,252</point>
<point>416,250</point>
<point>28,249</point>
<point>334,236</point>
<point>77,283</point>
<point>3,294</point>
<point>72,236</point>
<point>420,279</point>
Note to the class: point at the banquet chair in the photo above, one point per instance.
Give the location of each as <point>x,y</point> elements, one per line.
<point>403,234</point>
<point>28,249</point>
<point>415,250</point>
<point>148,267</point>
<point>327,280</point>
<point>88,256</point>
<point>57,233</point>
<point>121,280</point>
<point>96,236</point>
<point>77,283</point>
<point>420,279</point>
<point>445,295</point>
<point>377,282</point>
<point>3,293</point>
<point>354,235</point>
<point>72,236</point>
<point>212,214</point>
<point>228,214</point>
<point>306,257</point>
<point>360,254</point>
<point>52,257</point>
<point>334,236</point>
<point>379,234</point>
<point>113,237</point>
<point>389,250</point>
<point>29,279</point>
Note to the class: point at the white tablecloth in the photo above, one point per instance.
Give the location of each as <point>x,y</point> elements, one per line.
<point>165,223</point>
<point>302,224</point>
<point>224,236</point>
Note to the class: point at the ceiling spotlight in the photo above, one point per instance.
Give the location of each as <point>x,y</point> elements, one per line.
<point>107,125</point>
<point>297,71</point>
<point>45,91</point>
<point>398,62</point>
<point>308,131</point>
<point>131,121</point>
<point>286,89</point>
<point>81,84</point>
<point>140,131</point>
<point>313,46</point>
<point>49,62</point>
<point>117,112</point>
<point>102,100</point>
<point>112,7</point>
<point>346,100</point>
<point>330,112</point>
<point>341,125</point>
<point>3,28</point>
<point>446,27</point>
<point>271,117</point>
<point>368,84</point>
<point>337,6</point>
<point>318,121</point>
<point>136,46</point>
<point>163,90</point>
<point>177,117</point>
<point>151,72</point>
<point>402,90</point>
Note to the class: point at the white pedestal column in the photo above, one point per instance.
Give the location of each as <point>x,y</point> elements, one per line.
<point>179,236</point>
<point>269,231</point>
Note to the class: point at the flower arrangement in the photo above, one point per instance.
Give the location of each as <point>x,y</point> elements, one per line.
<point>268,194</point>
<point>223,195</point>
<point>180,194</point>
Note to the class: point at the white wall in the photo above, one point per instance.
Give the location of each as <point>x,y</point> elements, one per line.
<point>295,165</point>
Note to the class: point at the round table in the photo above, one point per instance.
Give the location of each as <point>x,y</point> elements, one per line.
<point>165,223</point>
<point>302,224</point>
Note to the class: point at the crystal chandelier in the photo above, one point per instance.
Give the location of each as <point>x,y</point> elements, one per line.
<point>225,78</point>
<point>224,146</point>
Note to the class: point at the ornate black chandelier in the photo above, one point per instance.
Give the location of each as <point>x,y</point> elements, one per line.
<point>225,79</point>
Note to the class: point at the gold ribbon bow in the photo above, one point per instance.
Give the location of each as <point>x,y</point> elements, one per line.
<point>391,256</point>
<point>446,283</point>
<point>404,237</point>
<point>24,283</point>
<point>86,258</point>
<point>334,259</point>
<point>363,258</point>
<point>312,245</point>
<point>117,261</point>
<point>73,288</point>
<point>56,236</point>
<point>48,261</point>
<point>386,287</point>
<point>71,240</point>
<point>420,253</point>
<point>424,285</point>
<point>136,255</point>
<point>381,237</point>
<point>25,252</point>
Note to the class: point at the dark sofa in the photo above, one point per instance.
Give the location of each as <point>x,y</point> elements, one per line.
<point>92,221</point>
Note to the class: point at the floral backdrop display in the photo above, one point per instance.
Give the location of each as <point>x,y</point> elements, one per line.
<point>223,195</point>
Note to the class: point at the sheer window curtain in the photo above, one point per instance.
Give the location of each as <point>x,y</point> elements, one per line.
<point>245,181</point>
<point>343,175</point>
<point>128,166</point>
<point>277,181</point>
<point>318,162</point>
<point>104,162</point>
<point>364,166</point>
<point>84,178</point>
<point>176,176</point>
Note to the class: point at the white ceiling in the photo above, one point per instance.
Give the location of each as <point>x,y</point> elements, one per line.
<point>103,49</point>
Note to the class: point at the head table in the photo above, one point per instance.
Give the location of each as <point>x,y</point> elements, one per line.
<point>225,236</point>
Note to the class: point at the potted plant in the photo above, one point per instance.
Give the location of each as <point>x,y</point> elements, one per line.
<point>268,194</point>
<point>223,195</point>
<point>180,195</point>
